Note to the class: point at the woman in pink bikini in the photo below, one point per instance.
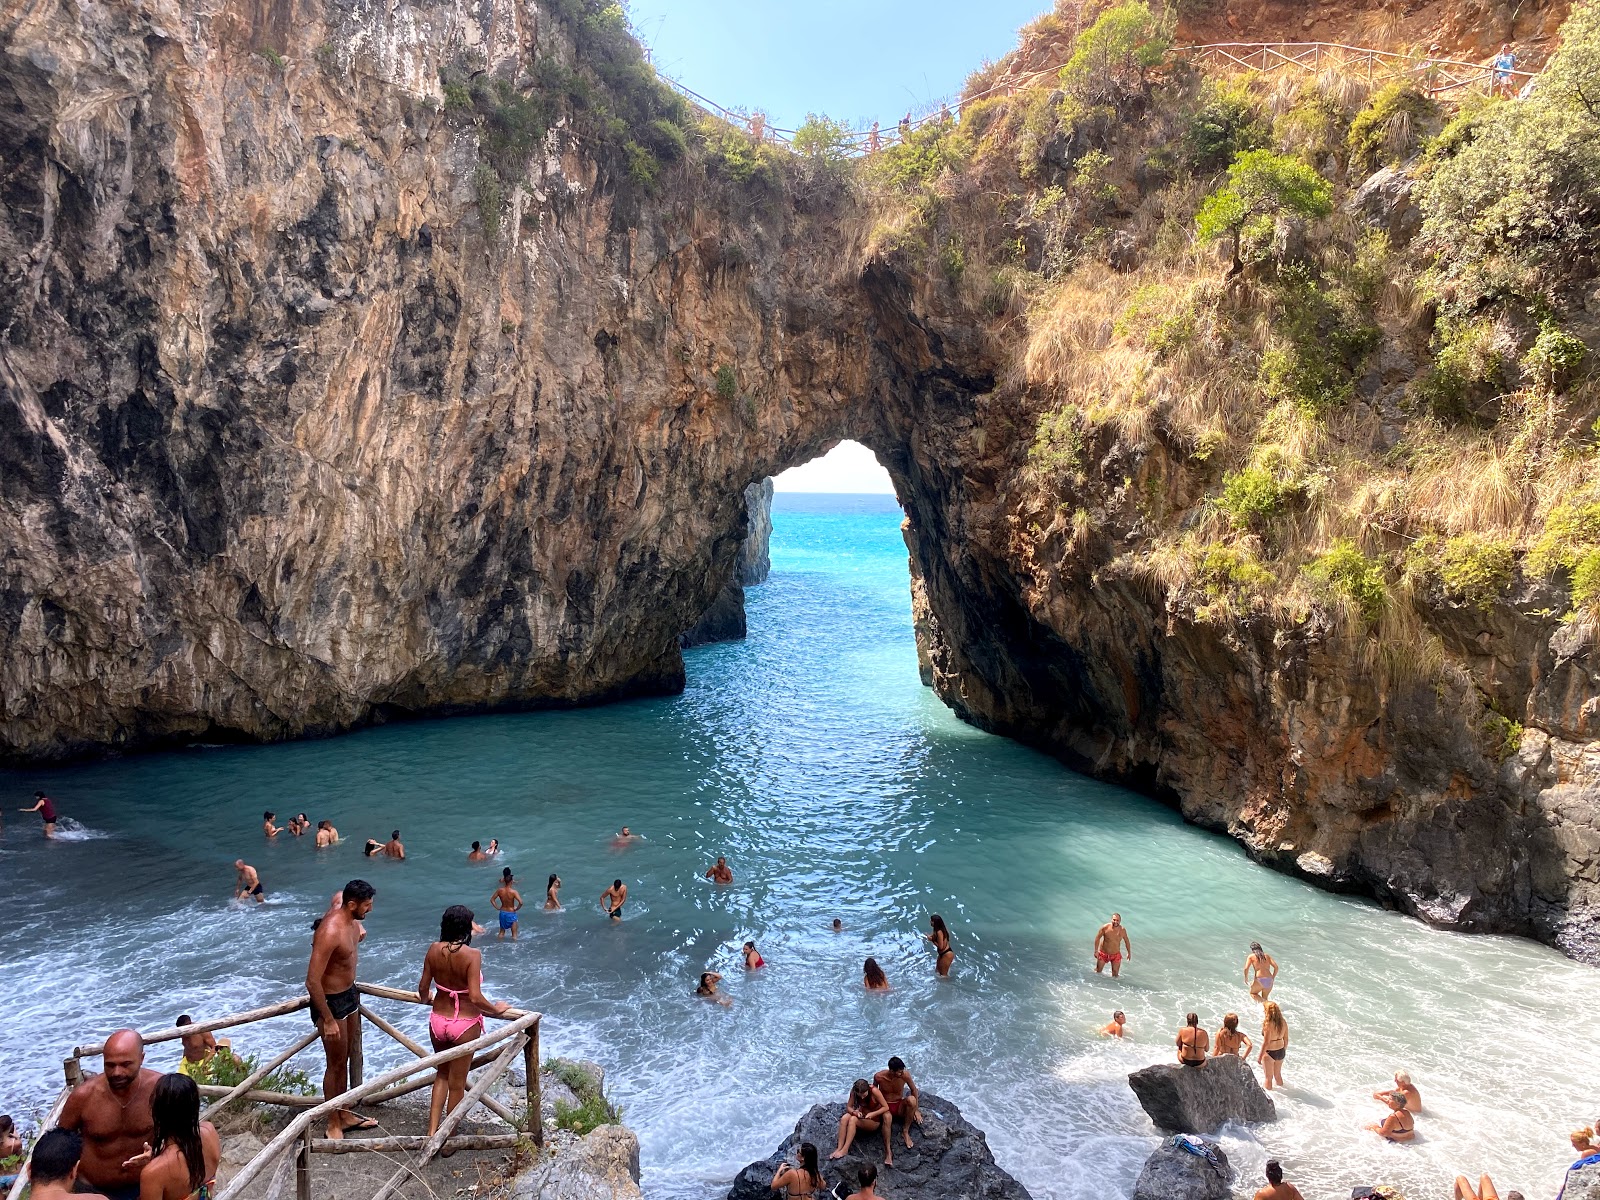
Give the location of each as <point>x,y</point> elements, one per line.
<point>452,981</point>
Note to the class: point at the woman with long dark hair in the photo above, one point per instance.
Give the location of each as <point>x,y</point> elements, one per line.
<point>552,894</point>
<point>872,976</point>
<point>943,956</point>
<point>184,1151</point>
<point>802,1180</point>
<point>865,1110</point>
<point>452,981</point>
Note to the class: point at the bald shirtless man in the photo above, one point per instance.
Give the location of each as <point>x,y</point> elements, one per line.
<point>112,1113</point>
<point>1109,944</point>
<point>331,984</point>
<point>248,883</point>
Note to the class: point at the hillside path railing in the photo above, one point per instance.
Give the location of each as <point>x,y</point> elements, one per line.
<point>292,1148</point>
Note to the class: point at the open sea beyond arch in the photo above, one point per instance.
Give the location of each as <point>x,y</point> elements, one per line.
<point>837,786</point>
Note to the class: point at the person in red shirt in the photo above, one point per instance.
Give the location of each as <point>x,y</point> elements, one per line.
<point>46,808</point>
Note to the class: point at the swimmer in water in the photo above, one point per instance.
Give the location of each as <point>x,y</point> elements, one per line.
<point>327,835</point>
<point>708,989</point>
<point>752,957</point>
<point>476,854</point>
<point>299,823</point>
<point>1274,1044</point>
<point>46,808</point>
<point>1115,1028</point>
<point>1402,1084</point>
<point>1398,1126</point>
<point>624,839</point>
<point>1260,972</point>
<point>507,901</point>
<point>720,873</point>
<point>393,849</point>
<point>613,898</point>
<point>267,827</point>
<point>552,898</point>
<point>943,956</point>
<point>372,847</point>
<point>838,925</point>
<point>872,976</point>
<point>1109,943</point>
<point>1230,1040</point>
<point>248,882</point>
<point>494,847</point>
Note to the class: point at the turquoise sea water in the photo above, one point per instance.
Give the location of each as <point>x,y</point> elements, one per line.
<point>837,786</point>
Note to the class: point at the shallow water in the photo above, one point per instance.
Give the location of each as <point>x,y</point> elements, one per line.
<point>837,786</point>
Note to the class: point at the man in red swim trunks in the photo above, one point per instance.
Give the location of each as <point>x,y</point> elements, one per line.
<point>900,1090</point>
<point>1109,945</point>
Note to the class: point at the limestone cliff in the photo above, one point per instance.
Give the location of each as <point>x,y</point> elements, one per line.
<point>322,406</point>
<point>724,621</point>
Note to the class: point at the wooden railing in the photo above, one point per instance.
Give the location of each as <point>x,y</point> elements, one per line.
<point>1441,78</point>
<point>292,1148</point>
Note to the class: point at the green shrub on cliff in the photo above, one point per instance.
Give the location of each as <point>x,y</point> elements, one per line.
<point>921,158</point>
<point>1321,335</point>
<point>1477,568</point>
<point>1111,57</point>
<point>1227,123</point>
<point>1570,541</point>
<point>822,139</point>
<point>1390,126</point>
<point>737,156</point>
<point>1262,186</point>
<point>1352,575</point>
<point>1554,358</point>
<point>1468,368</point>
<point>1250,497</point>
<point>1058,443</point>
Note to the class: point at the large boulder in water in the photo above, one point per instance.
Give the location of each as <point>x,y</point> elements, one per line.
<point>1185,1168</point>
<point>949,1159</point>
<point>1202,1099</point>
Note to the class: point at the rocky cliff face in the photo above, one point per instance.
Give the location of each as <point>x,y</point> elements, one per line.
<point>724,621</point>
<point>305,427</point>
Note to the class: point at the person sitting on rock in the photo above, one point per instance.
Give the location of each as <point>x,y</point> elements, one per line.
<point>1402,1083</point>
<point>1229,1040</point>
<point>1115,1028</point>
<point>1193,1042</point>
<point>864,1110</point>
<point>1276,1188</point>
<point>900,1090</point>
<point>869,1180</point>
<point>802,1180</point>
<point>1399,1125</point>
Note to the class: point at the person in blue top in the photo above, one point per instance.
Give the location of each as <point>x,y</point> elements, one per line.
<point>1505,65</point>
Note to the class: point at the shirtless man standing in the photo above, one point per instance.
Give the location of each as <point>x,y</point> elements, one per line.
<point>112,1112</point>
<point>46,808</point>
<point>720,873</point>
<point>506,900</point>
<point>1109,944</point>
<point>331,983</point>
<point>248,883</point>
<point>613,898</point>
<point>900,1091</point>
<point>327,835</point>
<point>392,848</point>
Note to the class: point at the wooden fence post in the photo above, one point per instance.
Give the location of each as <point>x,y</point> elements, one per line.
<point>530,1069</point>
<point>302,1168</point>
<point>357,1060</point>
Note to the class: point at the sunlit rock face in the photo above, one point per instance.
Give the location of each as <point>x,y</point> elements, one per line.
<point>302,431</point>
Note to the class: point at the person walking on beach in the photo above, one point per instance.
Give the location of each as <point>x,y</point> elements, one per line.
<point>507,901</point>
<point>452,982</point>
<point>1110,943</point>
<point>180,1161</point>
<point>1193,1042</point>
<point>800,1180</point>
<point>46,808</point>
<point>331,984</point>
<point>1260,972</point>
<point>899,1091</point>
<point>720,873</point>
<point>1229,1040</point>
<point>865,1110</point>
<point>1274,1044</point>
<point>112,1113</point>
<point>1276,1188</point>
<point>55,1169</point>
<point>393,847</point>
<point>613,898</point>
<point>872,976</point>
<point>267,827</point>
<point>552,897</point>
<point>943,956</point>
<point>327,835</point>
<point>248,882</point>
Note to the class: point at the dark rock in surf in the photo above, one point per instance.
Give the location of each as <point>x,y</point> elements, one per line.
<point>949,1159</point>
<point>1178,1172</point>
<point>1202,1099</point>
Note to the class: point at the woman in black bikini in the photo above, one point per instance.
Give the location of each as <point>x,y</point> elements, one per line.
<point>1193,1042</point>
<point>943,956</point>
<point>800,1182</point>
<point>1274,1045</point>
<point>1399,1125</point>
<point>866,1109</point>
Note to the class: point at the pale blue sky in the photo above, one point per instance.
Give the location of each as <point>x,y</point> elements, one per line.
<point>856,61</point>
<point>848,467</point>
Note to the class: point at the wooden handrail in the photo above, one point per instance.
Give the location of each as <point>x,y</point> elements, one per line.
<point>179,1031</point>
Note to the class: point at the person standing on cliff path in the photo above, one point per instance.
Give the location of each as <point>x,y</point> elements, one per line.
<point>46,808</point>
<point>613,898</point>
<point>331,984</point>
<point>1109,944</point>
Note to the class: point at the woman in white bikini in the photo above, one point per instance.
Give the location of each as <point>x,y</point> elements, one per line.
<point>452,981</point>
<point>1260,972</point>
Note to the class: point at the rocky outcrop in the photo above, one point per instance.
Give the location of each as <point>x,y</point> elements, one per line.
<point>949,1159</point>
<point>601,1165</point>
<point>1582,1184</point>
<point>1202,1099</point>
<point>724,621</point>
<point>310,421</point>
<point>1185,1168</point>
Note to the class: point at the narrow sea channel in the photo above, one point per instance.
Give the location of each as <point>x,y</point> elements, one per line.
<point>837,786</point>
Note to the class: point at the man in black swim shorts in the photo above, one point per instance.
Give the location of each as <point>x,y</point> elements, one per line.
<point>613,898</point>
<point>331,984</point>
